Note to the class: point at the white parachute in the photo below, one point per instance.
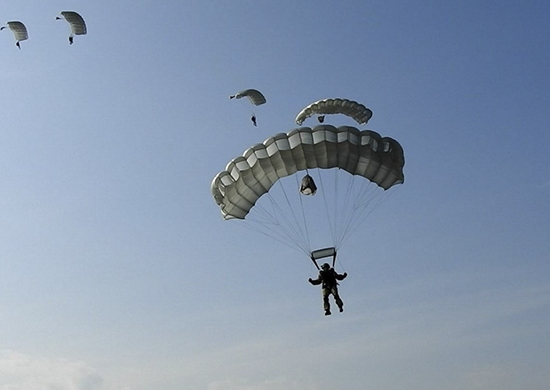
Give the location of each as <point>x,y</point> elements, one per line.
<point>353,170</point>
<point>255,96</point>
<point>357,111</point>
<point>19,31</point>
<point>77,23</point>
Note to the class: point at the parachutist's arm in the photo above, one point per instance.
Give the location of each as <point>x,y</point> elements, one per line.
<point>341,277</point>
<point>315,281</point>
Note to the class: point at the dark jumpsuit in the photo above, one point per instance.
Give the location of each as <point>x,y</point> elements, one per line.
<point>329,279</point>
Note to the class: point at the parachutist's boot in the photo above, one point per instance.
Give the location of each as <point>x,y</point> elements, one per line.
<point>341,309</point>
<point>327,312</point>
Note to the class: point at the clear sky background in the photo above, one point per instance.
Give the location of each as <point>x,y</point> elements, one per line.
<point>118,272</point>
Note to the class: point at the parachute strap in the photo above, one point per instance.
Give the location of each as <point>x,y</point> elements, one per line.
<point>322,253</point>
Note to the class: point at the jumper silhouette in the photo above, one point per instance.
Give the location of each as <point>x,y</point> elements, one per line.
<point>328,277</point>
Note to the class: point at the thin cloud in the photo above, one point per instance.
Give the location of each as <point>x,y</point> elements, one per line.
<point>23,372</point>
<point>275,384</point>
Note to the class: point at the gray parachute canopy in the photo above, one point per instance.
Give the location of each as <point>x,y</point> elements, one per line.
<point>255,96</point>
<point>19,31</point>
<point>362,153</point>
<point>357,111</point>
<point>77,23</point>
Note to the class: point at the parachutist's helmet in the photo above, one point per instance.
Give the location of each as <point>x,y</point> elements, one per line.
<point>325,267</point>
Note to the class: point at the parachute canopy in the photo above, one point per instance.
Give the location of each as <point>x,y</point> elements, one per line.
<point>19,31</point>
<point>363,153</point>
<point>255,96</point>
<point>78,26</point>
<point>357,111</point>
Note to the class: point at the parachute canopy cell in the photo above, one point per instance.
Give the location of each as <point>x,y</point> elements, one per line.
<point>357,111</point>
<point>364,153</point>
<point>19,31</point>
<point>255,96</point>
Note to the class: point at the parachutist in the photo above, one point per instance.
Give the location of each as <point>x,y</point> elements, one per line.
<point>19,32</point>
<point>253,119</point>
<point>354,110</point>
<point>328,277</point>
<point>77,23</point>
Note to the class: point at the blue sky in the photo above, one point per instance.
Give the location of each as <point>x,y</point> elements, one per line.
<point>118,273</point>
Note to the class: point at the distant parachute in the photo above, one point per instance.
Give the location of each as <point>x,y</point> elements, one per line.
<point>255,96</point>
<point>78,26</point>
<point>19,32</point>
<point>357,111</point>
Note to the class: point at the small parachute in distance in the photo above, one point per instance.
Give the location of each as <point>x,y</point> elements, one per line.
<point>357,111</point>
<point>19,31</point>
<point>255,96</point>
<point>78,26</point>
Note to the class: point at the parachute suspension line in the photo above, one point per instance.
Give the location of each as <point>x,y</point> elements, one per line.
<point>342,196</point>
<point>355,212</point>
<point>327,209</point>
<point>275,223</point>
<point>342,265</point>
<point>336,210</point>
<point>296,227</point>
<point>273,234</point>
<point>371,198</point>
<point>341,207</point>
<point>292,225</point>
<point>357,208</point>
<point>258,227</point>
<point>348,213</point>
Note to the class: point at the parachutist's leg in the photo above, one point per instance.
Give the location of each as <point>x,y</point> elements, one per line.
<point>338,299</point>
<point>326,303</point>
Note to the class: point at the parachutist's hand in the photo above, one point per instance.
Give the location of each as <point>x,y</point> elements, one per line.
<point>310,280</point>
<point>345,274</point>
